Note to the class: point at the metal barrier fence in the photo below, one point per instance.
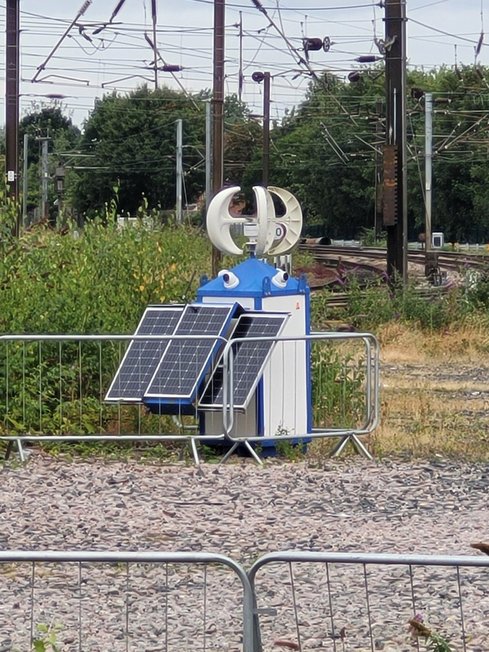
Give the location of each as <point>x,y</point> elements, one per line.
<point>344,602</point>
<point>99,601</point>
<point>52,388</point>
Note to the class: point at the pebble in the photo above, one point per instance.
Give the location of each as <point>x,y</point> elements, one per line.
<point>243,511</point>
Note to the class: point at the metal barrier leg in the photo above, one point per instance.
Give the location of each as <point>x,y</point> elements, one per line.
<point>20,450</point>
<point>356,443</point>
<point>195,452</point>
<point>229,453</point>
<point>253,453</point>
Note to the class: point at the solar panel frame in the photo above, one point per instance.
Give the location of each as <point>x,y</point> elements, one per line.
<point>256,351</point>
<point>149,324</point>
<point>178,356</point>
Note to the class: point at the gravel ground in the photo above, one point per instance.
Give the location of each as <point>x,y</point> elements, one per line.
<point>242,511</point>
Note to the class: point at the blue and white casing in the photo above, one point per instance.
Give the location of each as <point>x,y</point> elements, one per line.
<point>283,402</point>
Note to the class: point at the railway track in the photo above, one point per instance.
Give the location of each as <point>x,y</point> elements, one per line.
<point>450,261</point>
<point>333,265</point>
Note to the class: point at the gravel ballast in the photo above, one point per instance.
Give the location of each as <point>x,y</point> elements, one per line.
<point>243,511</point>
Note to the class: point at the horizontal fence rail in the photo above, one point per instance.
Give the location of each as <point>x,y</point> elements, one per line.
<point>53,389</point>
<point>117,601</point>
<point>368,602</point>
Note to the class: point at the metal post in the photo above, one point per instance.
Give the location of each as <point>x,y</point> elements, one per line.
<point>179,170</point>
<point>428,111</point>
<point>25,180</point>
<point>266,127</point>
<point>12,100</point>
<point>218,112</point>
<point>395,177</point>
<point>240,73</point>
<point>208,153</point>
<point>155,47</point>
<point>44,177</point>
<point>379,109</point>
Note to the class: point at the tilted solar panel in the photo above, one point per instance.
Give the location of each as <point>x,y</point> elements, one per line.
<point>142,357</point>
<point>185,361</point>
<point>249,360</point>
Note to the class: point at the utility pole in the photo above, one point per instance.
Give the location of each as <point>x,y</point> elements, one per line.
<point>179,162</point>
<point>155,47</point>
<point>208,153</point>
<point>428,155</point>
<point>266,128</point>
<point>218,113</point>
<point>395,176</point>
<point>379,132</point>
<point>12,101</point>
<point>264,77</point>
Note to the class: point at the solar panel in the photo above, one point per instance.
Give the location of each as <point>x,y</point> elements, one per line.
<point>142,357</point>
<point>185,361</point>
<point>249,360</point>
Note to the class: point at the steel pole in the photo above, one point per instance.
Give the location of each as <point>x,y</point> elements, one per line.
<point>428,154</point>
<point>395,213</point>
<point>12,74</point>
<point>266,128</point>
<point>25,180</point>
<point>179,161</point>
<point>208,153</point>
<point>218,112</point>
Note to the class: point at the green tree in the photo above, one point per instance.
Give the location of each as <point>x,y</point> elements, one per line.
<point>132,143</point>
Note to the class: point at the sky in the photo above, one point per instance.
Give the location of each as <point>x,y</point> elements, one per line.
<point>87,65</point>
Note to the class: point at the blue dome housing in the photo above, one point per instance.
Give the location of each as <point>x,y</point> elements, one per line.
<point>255,280</point>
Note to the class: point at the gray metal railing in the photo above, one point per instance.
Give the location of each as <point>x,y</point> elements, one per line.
<point>52,389</point>
<point>128,601</point>
<point>131,601</point>
<point>358,601</point>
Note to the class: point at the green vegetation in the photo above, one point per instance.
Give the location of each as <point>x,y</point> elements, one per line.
<point>99,279</point>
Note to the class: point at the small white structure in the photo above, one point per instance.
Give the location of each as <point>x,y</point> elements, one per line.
<point>437,240</point>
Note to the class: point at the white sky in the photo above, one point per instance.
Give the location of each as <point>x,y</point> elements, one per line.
<point>82,70</point>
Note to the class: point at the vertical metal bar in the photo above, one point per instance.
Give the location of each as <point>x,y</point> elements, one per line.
<point>80,628</point>
<point>7,387</point>
<point>40,385</point>
<point>462,620</point>
<point>167,589</point>
<point>330,602</point>
<point>80,382</point>
<point>413,598</point>
<point>24,408</point>
<point>60,358</point>
<point>127,606</point>
<point>240,73</point>
<point>294,602</point>
<point>100,380</point>
<point>205,608</point>
<point>33,578</point>
<point>367,599</point>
